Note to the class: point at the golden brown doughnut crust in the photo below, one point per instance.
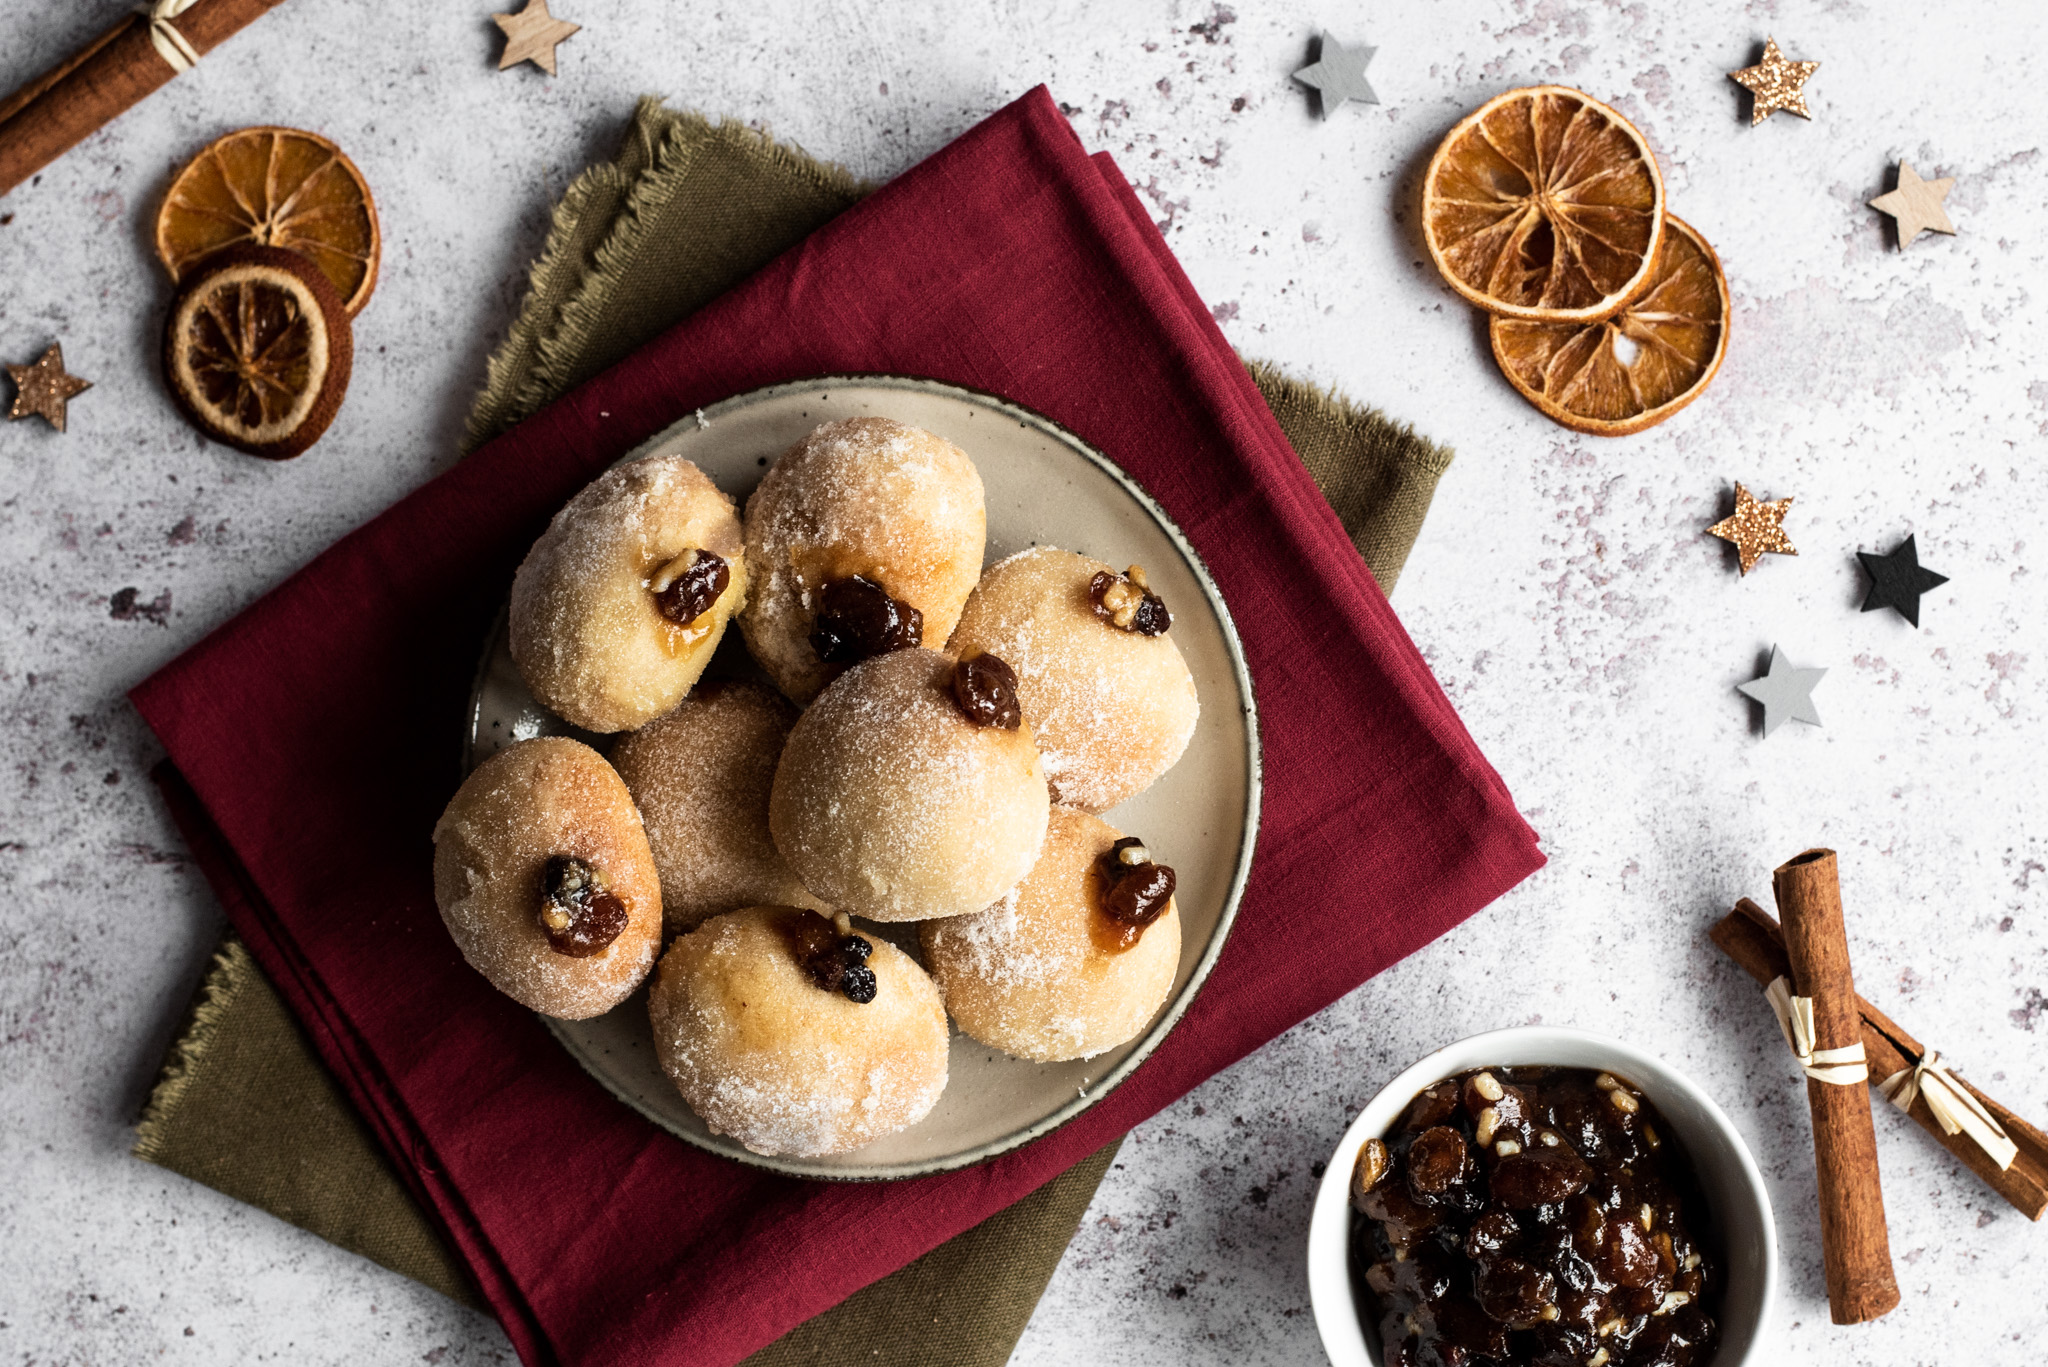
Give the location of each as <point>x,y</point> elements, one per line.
<point>1112,710</point>
<point>1029,975</point>
<point>892,805</point>
<point>586,634</point>
<point>701,776</point>
<point>862,496</point>
<point>534,800</point>
<point>765,1055</point>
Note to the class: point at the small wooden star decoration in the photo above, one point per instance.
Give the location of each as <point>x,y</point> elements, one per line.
<point>1916,204</point>
<point>1897,580</point>
<point>44,389</point>
<point>1338,74</point>
<point>1776,84</point>
<point>531,36</point>
<point>1755,528</point>
<point>1785,691</point>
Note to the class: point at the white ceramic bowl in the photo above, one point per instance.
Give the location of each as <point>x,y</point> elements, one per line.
<point>1739,1210</point>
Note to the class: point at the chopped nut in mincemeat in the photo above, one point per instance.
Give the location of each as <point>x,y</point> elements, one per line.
<point>1372,1164</point>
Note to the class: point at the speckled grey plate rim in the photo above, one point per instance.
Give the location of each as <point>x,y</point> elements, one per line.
<point>1247,840</point>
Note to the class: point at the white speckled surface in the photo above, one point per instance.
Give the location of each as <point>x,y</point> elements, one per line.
<point>1589,634</point>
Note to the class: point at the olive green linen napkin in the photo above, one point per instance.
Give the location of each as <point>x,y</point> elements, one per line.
<point>687,209</point>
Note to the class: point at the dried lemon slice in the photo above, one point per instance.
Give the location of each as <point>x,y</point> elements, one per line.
<point>1637,368</point>
<point>274,187</point>
<point>1544,203</point>
<point>257,351</point>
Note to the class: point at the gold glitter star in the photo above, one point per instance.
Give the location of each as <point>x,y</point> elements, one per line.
<point>43,389</point>
<point>1916,204</point>
<point>531,36</point>
<point>1776,84</point>
<point>1755,528</point>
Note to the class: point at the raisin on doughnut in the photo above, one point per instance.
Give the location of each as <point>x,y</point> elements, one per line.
<point>545,880</point>
<point>620,604</point>
<point>865,537</point>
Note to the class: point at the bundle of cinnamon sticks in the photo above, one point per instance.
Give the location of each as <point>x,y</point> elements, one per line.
<point>139,54</point>
<point>1842,1030</point>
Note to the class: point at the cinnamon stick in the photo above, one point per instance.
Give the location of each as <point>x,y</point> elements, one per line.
<point>1854,1245</point>
<point>1750,937</point>
<point>61,108</point>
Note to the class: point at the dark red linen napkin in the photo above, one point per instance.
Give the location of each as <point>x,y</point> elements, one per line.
<point>313,740</point>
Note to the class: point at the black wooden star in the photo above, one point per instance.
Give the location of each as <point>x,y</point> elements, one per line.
<point>1897,580</point>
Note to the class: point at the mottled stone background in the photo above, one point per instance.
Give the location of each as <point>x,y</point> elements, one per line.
<point>1562,591</point>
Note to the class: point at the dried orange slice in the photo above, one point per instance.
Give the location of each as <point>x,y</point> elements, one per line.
<point>1637,368</point>
<point>1544,203</point>
<point>257,350</point>
<point>274,187</point>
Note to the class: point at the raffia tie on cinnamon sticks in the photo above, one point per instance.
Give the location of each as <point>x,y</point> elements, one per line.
<point>171,45</point>
<point>1844,1067</point>
<point>1957,1111</point>
<point>1750,937</point>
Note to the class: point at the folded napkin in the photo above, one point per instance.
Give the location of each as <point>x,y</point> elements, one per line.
<point>313,738</point>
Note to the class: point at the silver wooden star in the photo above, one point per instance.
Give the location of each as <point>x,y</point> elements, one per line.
<point>1785,690</point>
<point>1338,74</point>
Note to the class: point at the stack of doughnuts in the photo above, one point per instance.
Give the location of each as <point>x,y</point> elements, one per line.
<point>933,744</point>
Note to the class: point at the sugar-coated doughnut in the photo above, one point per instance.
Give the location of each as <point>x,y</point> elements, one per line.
<point>544,878</point>
<point>700,775</point>
<point>1112,706</point>
<point>891,803</point>
<point>1048,973</point>
<point>765,1052</point>
<point>883,515</point>
<point>620,604</point>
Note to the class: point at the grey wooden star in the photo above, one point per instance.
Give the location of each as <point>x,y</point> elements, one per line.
<point>1338,74</point>
<point>1785,690</point>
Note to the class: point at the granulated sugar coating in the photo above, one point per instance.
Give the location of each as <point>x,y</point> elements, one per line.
<point>524,805</point>
<point>862,496</point>
<point>586,633</point>
<point>890,804</point>
<point>1030,976</point>
<point>767,1056</point>
<point>701,777</point>
<point>1112,710</point>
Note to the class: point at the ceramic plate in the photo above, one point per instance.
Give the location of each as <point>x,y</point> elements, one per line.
<point>1044,487</point>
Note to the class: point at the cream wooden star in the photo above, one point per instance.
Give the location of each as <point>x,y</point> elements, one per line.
<point>1776,84</point>
<point>43,389</point>
<point>1916,204</point>
<point>531,36</point>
